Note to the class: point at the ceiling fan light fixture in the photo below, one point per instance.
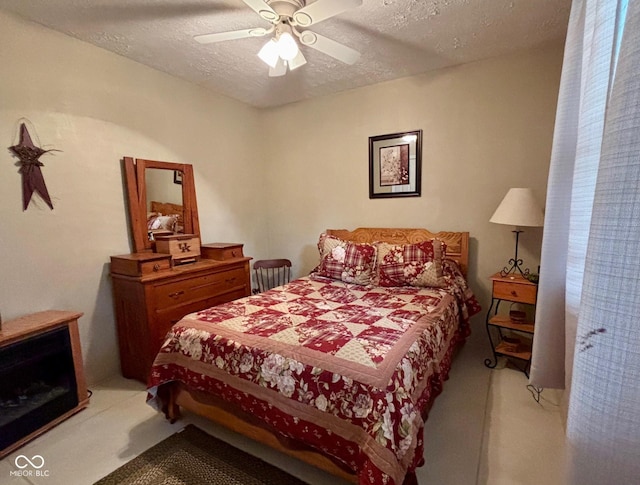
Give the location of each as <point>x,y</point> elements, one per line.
<point>287,46</point>
<point>270,53</point>
<point>297,61</point>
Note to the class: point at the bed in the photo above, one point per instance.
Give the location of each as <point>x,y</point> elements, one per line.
<point>338,368</point>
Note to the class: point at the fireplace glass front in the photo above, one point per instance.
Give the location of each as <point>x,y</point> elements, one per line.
<point>38,384</point>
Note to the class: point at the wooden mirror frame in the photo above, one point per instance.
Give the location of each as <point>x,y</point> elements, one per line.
<point>137,199</point>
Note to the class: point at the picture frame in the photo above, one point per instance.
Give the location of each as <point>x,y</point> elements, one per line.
<point>395,165</point>
<point>177,177</point>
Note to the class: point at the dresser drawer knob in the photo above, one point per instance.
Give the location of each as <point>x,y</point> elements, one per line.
<point>229,280</point>
<point>156,267</point>
<point>176,294</point>
<point>514,293</point>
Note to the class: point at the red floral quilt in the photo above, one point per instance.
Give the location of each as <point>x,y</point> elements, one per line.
<point>346,369</point>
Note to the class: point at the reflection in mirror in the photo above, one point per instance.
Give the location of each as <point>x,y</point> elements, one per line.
<point>162,187</point>
<point>164,204</point>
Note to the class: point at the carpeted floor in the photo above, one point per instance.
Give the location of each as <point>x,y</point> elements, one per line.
<point>192,457</point>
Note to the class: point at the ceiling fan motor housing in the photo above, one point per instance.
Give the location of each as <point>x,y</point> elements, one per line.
<point>286,8</point>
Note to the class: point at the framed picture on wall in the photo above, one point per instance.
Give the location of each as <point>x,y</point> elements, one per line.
<point>395,165</point>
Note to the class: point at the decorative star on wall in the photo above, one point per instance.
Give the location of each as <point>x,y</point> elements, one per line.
<point>32,178</point>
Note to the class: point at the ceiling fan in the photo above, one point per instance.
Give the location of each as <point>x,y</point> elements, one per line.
<point>288,18</point>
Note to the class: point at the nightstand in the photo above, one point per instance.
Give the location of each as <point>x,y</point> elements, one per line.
<point>509,337</point>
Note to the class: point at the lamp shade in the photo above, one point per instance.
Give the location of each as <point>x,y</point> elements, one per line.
<point>269,53</point>
<point>287,47</point>
<point>519,208</point>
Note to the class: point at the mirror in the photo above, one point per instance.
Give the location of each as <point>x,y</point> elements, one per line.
<point>162,200</point>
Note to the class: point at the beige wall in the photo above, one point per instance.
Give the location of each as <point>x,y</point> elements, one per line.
<point>96,107</point>
<point>487,127</point>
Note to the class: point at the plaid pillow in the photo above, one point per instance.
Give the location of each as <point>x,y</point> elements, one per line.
<point>346,261</point>
<point>418,264</point>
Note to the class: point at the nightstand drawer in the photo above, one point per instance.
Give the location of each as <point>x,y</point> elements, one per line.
<point>513,291</point>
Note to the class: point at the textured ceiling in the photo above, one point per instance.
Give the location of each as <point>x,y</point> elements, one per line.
<point>396,38</point>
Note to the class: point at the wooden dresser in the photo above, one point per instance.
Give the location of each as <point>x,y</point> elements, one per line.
<point>150,296</point>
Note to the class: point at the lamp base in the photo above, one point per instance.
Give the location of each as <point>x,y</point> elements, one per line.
<point>514,266</point>
<point>515,262</point>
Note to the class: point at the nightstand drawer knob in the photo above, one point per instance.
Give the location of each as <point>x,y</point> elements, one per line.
<point>176,294</point>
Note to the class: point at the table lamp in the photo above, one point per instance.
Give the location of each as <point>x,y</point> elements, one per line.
<point>518,208</point>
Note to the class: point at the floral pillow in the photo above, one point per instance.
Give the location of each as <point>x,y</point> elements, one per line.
<point>418,264</point>
<point>346,261</point>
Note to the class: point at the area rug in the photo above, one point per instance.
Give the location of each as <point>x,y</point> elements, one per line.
<point>193,457</point>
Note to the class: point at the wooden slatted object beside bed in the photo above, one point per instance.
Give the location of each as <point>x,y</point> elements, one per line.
<point>176,395</point>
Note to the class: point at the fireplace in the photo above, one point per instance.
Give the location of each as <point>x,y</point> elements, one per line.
<point>41,377</point>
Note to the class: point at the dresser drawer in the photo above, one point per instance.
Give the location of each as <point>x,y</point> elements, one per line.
<point>222,251</point>
<point>165,319</point>
<point>512,291</point>
<point>178,293</point>
<point>140,264</point>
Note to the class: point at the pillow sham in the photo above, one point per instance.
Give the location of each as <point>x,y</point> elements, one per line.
<point>162,222</point>
<point>418,264</point>
<point>346,261</point>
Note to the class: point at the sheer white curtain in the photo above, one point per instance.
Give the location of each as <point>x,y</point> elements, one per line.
<point>588,323</point>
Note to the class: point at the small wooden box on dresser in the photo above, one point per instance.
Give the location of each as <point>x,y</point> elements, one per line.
<point>514,336</point>
<point>150,295</point>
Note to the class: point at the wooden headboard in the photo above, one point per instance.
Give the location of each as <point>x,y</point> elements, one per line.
<point>166,208</point>
<point>457,242</point>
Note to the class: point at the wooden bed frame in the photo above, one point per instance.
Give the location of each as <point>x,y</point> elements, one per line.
<point>177,396</point>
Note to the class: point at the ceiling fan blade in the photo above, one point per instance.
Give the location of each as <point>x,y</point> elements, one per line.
<point>330,47</point>
<point>279,70</point>
<point>321,10</point>
<point>231,35</point>
<point>263,9</point>
<point>297,61</point>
